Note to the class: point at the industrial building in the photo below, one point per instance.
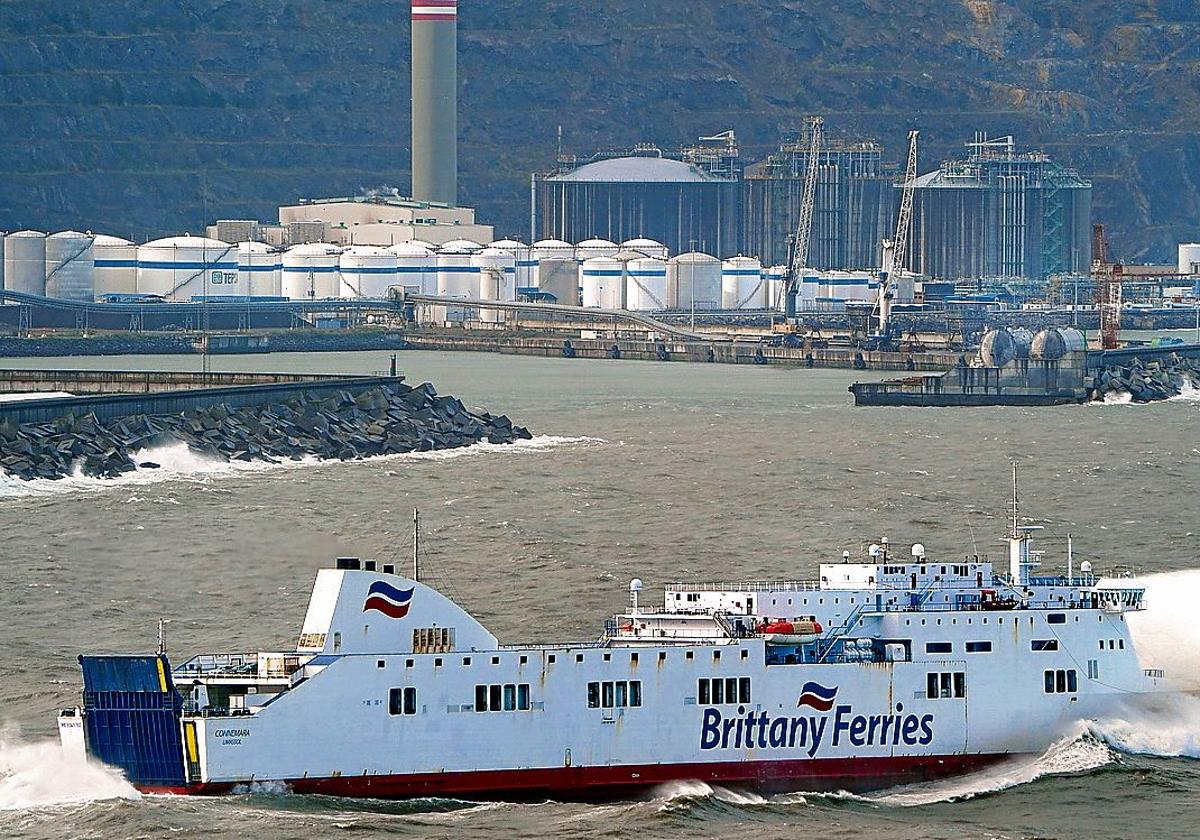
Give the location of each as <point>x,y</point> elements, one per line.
<point>1000,214</point>
<point>688,202</point>
<point>853,209</point>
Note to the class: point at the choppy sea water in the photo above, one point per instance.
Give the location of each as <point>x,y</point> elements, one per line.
<point>658,471</point>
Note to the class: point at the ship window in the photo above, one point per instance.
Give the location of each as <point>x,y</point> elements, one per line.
<point>960,684</point>
<point>1056,618</point>
<point>944,685</point>
<point>633,657</point>
<point>337,641</point>
<point>593,695</point>
<point>635,692</point>
<point>379,663</point>
<point>1110,644</point>
<point>745,654</point>
<point>408,663</point>
<point>716,655</point>
<point>939,647</point>
<point>979,647</point>
<point>662,656</point>
<point>1063,681</point>
<point>495,660</point>
<point>494,698</point>
<point>550,659</point>
<point>410,701</point>
<point>1072,682</point>
<point>524,659</point>
<point>1121,644</point>
<point>510,697</point>
<point>606,695</point>
<point>402,701</point>
<point>1060,681</point>
<point>608,657</point>
<point>1044,644</point>
<point>744,690</point>
<point>622,694</point>
<point>523,697</point>
<point>579,657</point>
<point>931,686</point>
<point>731,689</point>
<point>466,660</point>
<point>1049,682</point>
<point>1101,644</point>
<point>481,700</point>
<point>718,692</point>
<point>703,697</point>
<point>689,655</point>
<point>437,663</point>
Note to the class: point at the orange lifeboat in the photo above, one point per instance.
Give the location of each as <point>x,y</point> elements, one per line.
<point>793,632</point>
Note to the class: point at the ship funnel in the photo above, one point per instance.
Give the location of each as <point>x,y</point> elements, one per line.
<point>435,100</point>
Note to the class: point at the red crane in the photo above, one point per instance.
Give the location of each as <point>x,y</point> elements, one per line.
<point>1107,278</point>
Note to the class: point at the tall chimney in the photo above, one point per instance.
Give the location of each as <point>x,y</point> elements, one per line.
<point>435,100</point>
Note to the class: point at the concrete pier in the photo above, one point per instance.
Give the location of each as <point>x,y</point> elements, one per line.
<point>20,381</point>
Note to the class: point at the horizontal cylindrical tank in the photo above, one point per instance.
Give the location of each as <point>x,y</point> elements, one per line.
<point>742,284</point>
<point>367,271</point>
<point>600,281</point>
<point>1189,258</point>
<point>259,269</point>
<point>182,267</point>
<point>70,266</point>
<point>310,271</point>
<point>589,248</point>
<point>694,281</point>
<point>997,348</point>
<point>649,247</point>
<point>25,262</point>
<point>1054,343</point>
<point>526,264</point>
<point>416,267</point>
<point>646,284</point>
<point>116,265</point>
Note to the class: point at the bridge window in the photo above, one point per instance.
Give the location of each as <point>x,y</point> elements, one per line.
<point>1044,644</point>
<point>979,647</point>
<point>402,701</point>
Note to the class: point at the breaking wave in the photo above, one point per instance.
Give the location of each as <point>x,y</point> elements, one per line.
<point>177,462</point>
<point>43,775</point>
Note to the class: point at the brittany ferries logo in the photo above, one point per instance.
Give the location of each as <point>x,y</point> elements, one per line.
<point>389,600</point>
<point>750,729</point>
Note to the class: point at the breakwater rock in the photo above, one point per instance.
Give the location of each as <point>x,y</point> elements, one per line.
<point>1158,379</point>
<point>382,420</point>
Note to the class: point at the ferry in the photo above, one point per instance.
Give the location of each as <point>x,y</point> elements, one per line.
<point>891,668</point>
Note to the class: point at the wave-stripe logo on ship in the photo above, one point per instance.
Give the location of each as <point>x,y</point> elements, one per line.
<point>817,696</point>
<point>389,600</point>
<point>434,9</point>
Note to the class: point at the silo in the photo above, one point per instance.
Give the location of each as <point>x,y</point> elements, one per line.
<point>649,247</point>
<point>600,279</point>
<point>1189,258</point>
<point>416,268</point>
<point>742,284</point>
<point>367,271</point>
<point>70,266</point>
<point>456,278</point>
<point>525,264</point>
<point>646,284</point>
<point>589,248</point>
<point>694,281</point>
<point>182,267</point>
<point>25,262</point>
<point>116,265</point>
<point>497,280</point>
<point>553,249</point>
<point>310,271</point>
<point>259,269</point>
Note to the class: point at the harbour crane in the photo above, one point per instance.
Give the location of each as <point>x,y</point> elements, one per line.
<point>808,200</point>
<point>895,250</point>
<point>1107,278</point>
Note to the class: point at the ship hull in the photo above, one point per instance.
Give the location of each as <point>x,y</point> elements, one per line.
<point>620,782</point>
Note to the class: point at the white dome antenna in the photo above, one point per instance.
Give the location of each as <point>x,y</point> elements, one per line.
<point>635,586</point>
<point>845,556</point>
<point>918,551</point>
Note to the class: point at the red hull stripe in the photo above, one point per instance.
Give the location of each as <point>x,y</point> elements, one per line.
<point>613,782</point>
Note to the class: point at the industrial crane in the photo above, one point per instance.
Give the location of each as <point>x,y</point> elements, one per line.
<point>808,200</point>
<point>895,250</point>
<point>1107,278</point>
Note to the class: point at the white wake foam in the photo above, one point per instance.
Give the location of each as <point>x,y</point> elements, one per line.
<point>43,775</point>
<point>179,463</point>
<point>1166,634</point>
<point>674,794</point>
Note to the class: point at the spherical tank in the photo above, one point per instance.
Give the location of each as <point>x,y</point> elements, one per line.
<point>600,280</point>
<point>649,247</point>
<point>367,271</point>
<point>416,268</point>
<point>310,271</point>
<point>70,266</point>
<point>742,285</point>
<point>116,265</point>
<point>646,284</point>
<point>694,281</point>
<point>180,267</point>
<point>997,348</point>
<point>589,248</point>
<point>259,268</point>
<point>25,262</point>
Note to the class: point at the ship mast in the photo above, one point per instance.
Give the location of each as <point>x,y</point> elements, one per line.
<point>416,548</point>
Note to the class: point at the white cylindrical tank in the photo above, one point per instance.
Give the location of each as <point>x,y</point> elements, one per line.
<point>456,278</point>
<point>310,271</point>
<point>416,268</point>
<point>649,247</point>
<point>742,284</point>
<point>773,277</point>
<point>116,265</point>
<point>526,265</point>
<point>367,271</point>
<point>182,267</point>
<point>1189,258</point>
<point>589,248</point>
<point>694,281</point>
<point>70,266</point>
<point>259,267</point>
<point>646,284</point>
<point>600,280</point>
<point>497,280</point>
<point>466,245</point>
<point>553,249</point>
<point>25,262</point>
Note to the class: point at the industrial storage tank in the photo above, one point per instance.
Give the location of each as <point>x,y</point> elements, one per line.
<point>180,267</point>
<point>1054,343</point>
<point>559,278</point>
<point>116,265</point>
<point>649,247</point>
<point>646,284</point>
<point>70,266</point>
<point>497,280</point>
<point>310,271</point>
<point>1023,339</point>
<point>456,278</point>
<point>25,262</point>
<point>997,348</point>
<point>525,263</point>
<point>416,268</point>
<point>466,245</point>
<point>553,249</point>
<point>600,282</point>
<point>259,268</point>
<point>774,278</point>
<point>589,248</point>
<point>1189,258</point>
<point>367,271</point>
<point>742,284</point>
<point>694,281</point>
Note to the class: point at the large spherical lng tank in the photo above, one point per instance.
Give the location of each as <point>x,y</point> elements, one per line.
<point>183,267</point>
<point>367,271</point>
<point>646,284</point>
<point>116,265</point>
<point>600,281</point>
<point>310,271</point>
<point>259,269</point>
<point>694,281</point>
<point>416,268</point>
<point>70,266</point>
<point>25,262</point>
<point>742,285</point>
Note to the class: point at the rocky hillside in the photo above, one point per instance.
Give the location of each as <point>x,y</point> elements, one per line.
<point>138,118</point>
